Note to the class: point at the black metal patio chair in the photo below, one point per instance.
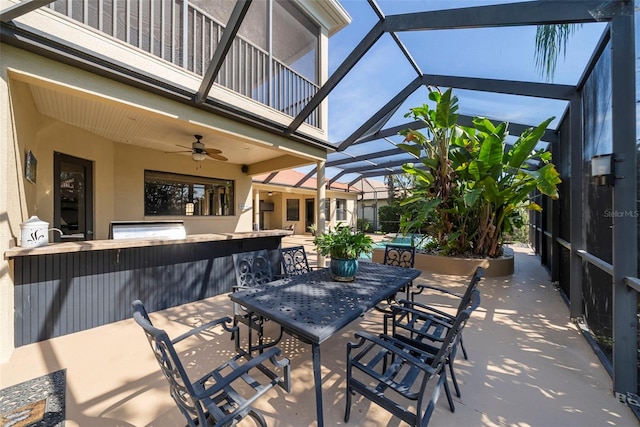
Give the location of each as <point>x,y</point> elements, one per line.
<point>464,300</point>
<point>294,261</point>
<point>252,269</point>
<point>398,256</point>
<point>215,398</point>
<point>391,372</point>
<point>426,328</point>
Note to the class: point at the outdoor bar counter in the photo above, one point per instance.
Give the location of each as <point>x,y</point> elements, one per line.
<point>68,287</point>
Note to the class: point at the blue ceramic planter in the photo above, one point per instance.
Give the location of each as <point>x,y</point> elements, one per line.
<point>343,270</point>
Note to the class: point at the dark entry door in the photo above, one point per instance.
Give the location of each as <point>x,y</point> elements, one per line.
<point>73,198</point>
<point>310,213</point>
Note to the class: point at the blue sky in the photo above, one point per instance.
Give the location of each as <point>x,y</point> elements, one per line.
<point>497,53</point>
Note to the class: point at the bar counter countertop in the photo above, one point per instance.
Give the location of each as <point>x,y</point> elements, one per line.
<point>100,245</point>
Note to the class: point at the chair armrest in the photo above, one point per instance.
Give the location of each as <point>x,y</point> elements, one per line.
<point>426,308</point>
<point>225,321</point>
<point>422,287</point>
<point>238,371</point>
<point>420,314</point>
<point>394,346</point>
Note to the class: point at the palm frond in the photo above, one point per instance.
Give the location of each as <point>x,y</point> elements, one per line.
<point>551,40</point>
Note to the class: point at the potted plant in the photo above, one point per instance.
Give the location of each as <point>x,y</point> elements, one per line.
<point>344,247</point>
<point>469,189</point>
<point>312,229</point>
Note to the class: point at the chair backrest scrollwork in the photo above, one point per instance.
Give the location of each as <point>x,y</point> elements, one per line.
<point>294,261</point>
<point>399,255</point>
<point>252,268</point>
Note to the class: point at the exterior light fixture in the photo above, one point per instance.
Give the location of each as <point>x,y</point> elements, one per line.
<point>270,193</point>
<point>602,169</point>
<point>189,207</point>
<point>198,157</point>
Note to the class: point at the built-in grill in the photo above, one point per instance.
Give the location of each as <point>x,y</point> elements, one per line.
<point>169,229</point>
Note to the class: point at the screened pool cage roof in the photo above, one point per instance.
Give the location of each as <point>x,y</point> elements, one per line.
<point>382,64</point>
<point>394,50</point>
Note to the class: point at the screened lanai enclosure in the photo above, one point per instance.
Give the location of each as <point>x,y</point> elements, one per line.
<point>588,238</point>
<point>382,64</point>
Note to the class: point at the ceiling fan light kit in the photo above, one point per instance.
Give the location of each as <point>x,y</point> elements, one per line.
<point>198,157</point>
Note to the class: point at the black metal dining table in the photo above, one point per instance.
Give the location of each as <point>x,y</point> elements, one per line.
<point>312,307</point>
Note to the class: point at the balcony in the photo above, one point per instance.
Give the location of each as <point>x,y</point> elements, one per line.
<point>181,33</point>
<point>528,365</point>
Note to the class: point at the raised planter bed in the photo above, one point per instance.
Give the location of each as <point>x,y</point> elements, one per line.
<point>493,267</point>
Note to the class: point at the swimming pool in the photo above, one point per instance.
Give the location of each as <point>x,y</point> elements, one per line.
<point>398,240</point>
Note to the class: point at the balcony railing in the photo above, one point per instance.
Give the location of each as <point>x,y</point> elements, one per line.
<point>178,32</point>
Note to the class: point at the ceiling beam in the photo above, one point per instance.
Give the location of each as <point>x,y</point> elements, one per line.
<point>19,9</point>
<point>305,178</point>
<point>392,131</point>
<point>516,129</point>
<point>501,15</point>
<point>350,61</point>
<point>270,177</point>
<point>368,156</point>
<point>389,164</point>
<point>384,112</point>
<point>338,176</point>
<point>510,87</point>
<point>395,38</point>
<point>550,135</point>
<point>386,172</point>
<point>225,43</point>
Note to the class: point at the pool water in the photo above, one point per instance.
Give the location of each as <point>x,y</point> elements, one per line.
<point>398,240</point>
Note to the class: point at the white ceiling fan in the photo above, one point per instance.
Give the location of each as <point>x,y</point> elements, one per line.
<point>199,152</point>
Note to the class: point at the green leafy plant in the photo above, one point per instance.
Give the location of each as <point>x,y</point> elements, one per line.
<point>363,224</point>
<point>468,186</point>
<point>342,243</point>
<point>312,229</point>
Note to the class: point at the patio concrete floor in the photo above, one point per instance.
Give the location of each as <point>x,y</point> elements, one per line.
<point>528,365</point>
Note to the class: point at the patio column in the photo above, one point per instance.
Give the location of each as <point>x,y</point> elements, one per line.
<point>625,207</point>
<point>321,196</point>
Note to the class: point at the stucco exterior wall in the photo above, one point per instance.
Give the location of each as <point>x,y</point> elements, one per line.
<point>118,173</point>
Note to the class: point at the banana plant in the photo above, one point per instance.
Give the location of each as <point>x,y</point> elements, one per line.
<point>468,185</point>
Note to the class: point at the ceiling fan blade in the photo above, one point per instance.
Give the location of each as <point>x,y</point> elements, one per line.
<point>218,157</point>
<point>211,151</point>
<point>171,152</point>
<point>184,146</point>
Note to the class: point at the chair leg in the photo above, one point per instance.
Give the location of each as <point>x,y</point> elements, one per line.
<point>464,350</point>
<point>447,391</point>
<point>453,378</point>
<point>347,409</point>
<point>424,421</point>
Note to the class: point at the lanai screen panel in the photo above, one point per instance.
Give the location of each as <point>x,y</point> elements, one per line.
<point>598,212</point>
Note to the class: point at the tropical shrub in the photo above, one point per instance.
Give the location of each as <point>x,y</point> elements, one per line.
<point>468,187</point>
<point>389,216</point>
<point>363,224</point>
<point>342,243</point>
